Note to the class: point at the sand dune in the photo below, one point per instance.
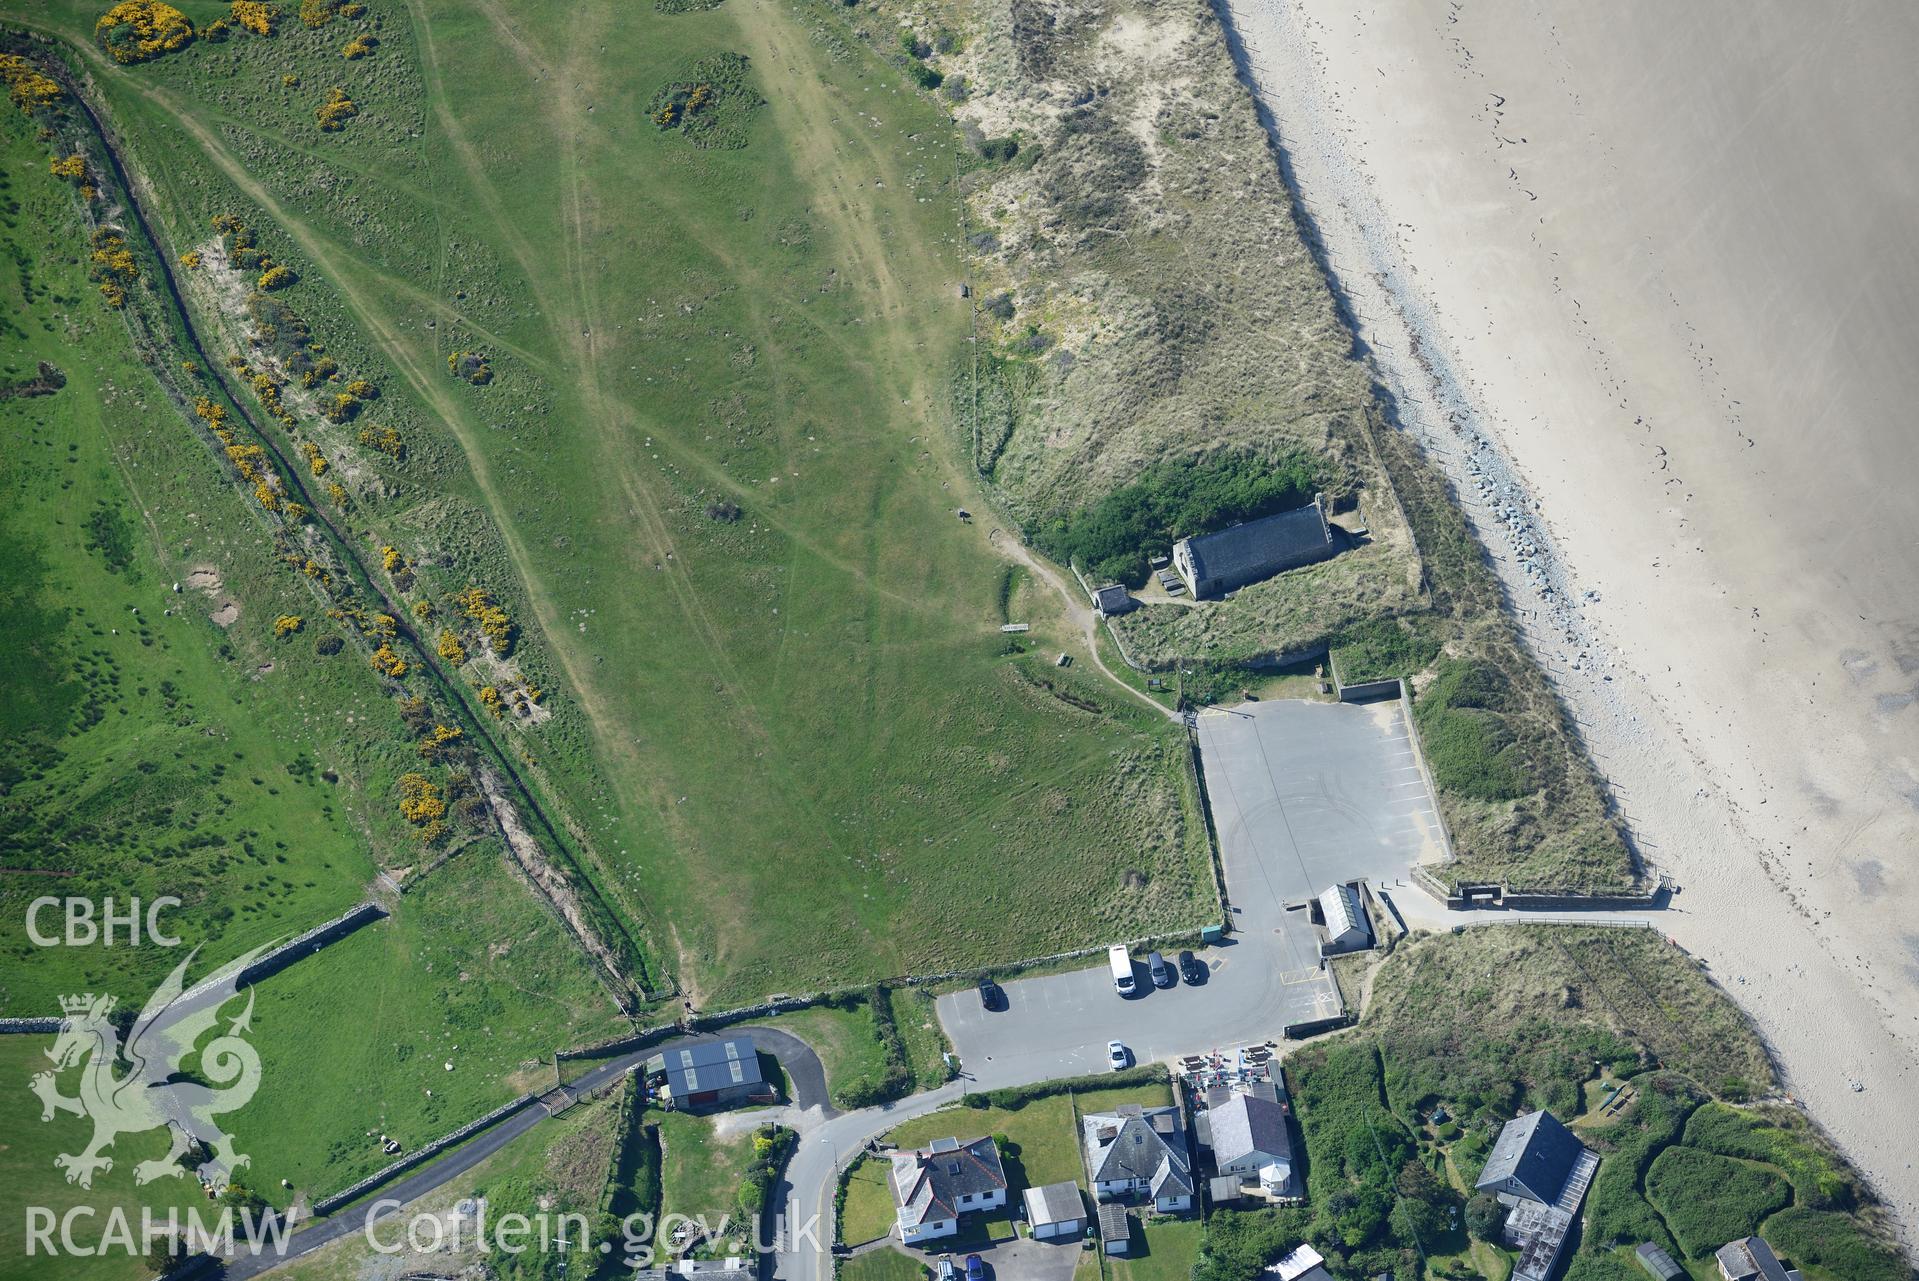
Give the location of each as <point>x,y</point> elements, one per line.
<point>1643,276</point>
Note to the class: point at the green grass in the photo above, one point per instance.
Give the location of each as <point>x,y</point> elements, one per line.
<point>1165,1249</point>
<point>844,1039</point>
<point>470,970</point>
<point>883,1265</point>
<point>756,339</point>
<point>151,752</point>
<point>867,1213</point>
<point>920,1032</point>
<point>556,1158</point>
<point>1826,1243</point>
<point>1708,1200</point>
<point>1047,1151</point>
<point>701,1170</point>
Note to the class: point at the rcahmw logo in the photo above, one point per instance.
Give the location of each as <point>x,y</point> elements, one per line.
<point>155,1092</point>
<point>83,1232</point>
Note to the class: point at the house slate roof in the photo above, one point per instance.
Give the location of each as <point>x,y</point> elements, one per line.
<point>1260,547</point>
<point>1135,1143</point>
<point>1750,1257</point>
<point>715,1064</point>
<point>929,1182</point>
<point>1112,599</point>
<point>1245,1124</point>
<point>1536,1150</point>
<point>1055,1203</point>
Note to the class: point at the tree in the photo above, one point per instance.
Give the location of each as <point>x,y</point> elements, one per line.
<point>1485,1216</point>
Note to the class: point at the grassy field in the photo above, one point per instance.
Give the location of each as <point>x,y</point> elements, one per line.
<point>151,751</point>
<point>671,328</point>
<point>469,971</point>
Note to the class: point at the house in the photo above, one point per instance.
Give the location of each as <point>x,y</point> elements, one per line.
<point>1658,1263</point>
<point>1540,1171</point>
<point>1347,929</point>
<point>933,1186</point>
<point>1214,564</point>
<point>1115,1228</point>
<point>1113,599</point>
<point>1138,1151</point>
<point>1752,1260</point>
<point>715,1073</point>
<point>1250,1140</point>
<point>1055,1211</point>
<point>1303,1264</point>
<point>1533,1159</point>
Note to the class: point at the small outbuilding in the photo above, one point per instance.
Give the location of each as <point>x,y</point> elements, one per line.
<point>1113,600</point>
<point>1658,1263</point>
<point>1055,1210</point>
<point>1115,1228</point>
<point>1347,929</point>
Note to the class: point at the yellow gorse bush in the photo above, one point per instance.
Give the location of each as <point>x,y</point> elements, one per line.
<point>255,16</point>
<point>29,89</point>
<point>139,30</point>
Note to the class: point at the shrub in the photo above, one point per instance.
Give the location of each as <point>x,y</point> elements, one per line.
<point>317,13</point>
<point>388,663</point>
<point>1485,1216</point>
<point>1817,1181</point>
<point>1616,1212</point>
<point>277,278</point>
<point>1173,498</point>
<point>1709,1200</point>
<point>451,649</point>
<point>1469,746</point>
<point>470,366</point>
<point>1239,1244</point>
<point>711,105</point>
<point>255,16</point>
<point>287,624</point>
<point>28,89</point>
<point>335,111</point>
<point>141,30</point>
<point>328,645</point>
<point>1833,1243</point>
<point>358,47</point>
<point>1382,648</point>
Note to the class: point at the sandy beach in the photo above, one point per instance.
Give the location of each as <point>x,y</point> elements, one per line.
<point>1641,277</point>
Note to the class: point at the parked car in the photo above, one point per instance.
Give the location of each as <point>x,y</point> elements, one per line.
<point>991,995</point>
<point>1162,973</point>
<point>1191,968</point>
<point>947,1271</point>
<point>1117,1056</point>
<point>975,1268</point>
<point>1120,962</point>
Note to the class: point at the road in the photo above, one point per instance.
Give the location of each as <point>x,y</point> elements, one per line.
<point>804,1072</point>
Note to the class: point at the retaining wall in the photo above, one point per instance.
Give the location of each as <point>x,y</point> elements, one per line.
<point>311,941</point>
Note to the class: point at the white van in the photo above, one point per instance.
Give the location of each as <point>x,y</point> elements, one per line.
<point>1121,962</point>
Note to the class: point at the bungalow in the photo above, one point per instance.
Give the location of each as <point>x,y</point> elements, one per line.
<point>1138,1151</point>
<point>933,1186</point>
<point>1250,1140</point>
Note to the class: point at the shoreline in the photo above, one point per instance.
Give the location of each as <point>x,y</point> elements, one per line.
<point>1368,161</point>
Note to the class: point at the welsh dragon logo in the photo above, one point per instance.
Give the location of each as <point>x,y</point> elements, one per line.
<point>156,1091</point>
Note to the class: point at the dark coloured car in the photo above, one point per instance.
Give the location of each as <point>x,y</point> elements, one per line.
<point>991,995</point>
<point>1191,968</point>
<point>975,1268</point>
<point>1162,973</point>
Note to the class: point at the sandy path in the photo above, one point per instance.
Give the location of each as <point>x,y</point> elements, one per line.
<point>1637,279</point>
